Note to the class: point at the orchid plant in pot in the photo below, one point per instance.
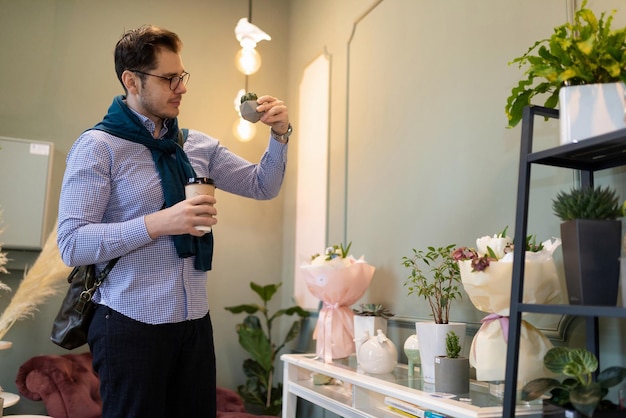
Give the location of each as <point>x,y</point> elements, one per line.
<point>436,278</point>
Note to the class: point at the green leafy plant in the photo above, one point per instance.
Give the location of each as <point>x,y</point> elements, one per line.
<point>453,348</point>
<point>588,203</point>
<point>435,276</point>
<point>248,96</point>
<point>583,52</point>
<point>371,309</point>
<point>256,337</point>
<point>578,389</point>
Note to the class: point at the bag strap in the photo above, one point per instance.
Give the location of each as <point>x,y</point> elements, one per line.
<point>104,273</point>
<point>85,296</point>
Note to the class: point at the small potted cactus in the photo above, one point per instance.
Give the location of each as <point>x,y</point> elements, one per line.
<point>452,370</point>
<point>248,107</point>
<point>591,235</point>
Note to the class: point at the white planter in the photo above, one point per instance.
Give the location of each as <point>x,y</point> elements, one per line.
<point>589,110</point>
<point>371,324</point>
<point>432,343</point>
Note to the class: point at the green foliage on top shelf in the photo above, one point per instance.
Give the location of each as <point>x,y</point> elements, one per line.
<point>578,389</point>
<point>583,52</point>
<point>587,203</point>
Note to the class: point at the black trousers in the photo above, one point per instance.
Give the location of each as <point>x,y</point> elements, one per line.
<point>153,371</point>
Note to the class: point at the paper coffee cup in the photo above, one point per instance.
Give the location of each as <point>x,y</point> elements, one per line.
<point>200,186</point>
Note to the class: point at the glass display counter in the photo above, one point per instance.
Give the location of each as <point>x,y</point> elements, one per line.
<point>342,388</point>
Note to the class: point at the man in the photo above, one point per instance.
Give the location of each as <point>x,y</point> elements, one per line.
<point>123,196</point>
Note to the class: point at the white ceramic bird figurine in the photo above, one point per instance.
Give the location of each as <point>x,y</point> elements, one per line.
<point>247,32</point>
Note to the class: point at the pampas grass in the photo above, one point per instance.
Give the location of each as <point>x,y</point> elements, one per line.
<point>44,279</point>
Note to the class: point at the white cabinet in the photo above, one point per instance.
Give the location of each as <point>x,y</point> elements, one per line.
<point>354,393</point>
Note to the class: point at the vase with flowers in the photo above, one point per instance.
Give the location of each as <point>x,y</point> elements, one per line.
<point>486,274</point>
<point>339,280</point>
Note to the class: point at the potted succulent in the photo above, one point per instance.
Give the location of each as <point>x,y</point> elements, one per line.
<point>368,319</point>
<point>452,370</point>
<point>578,390</point>
<point>591,235</point>
<point>586,52</point>
<point>256,337</point>
<point>248,106</point>
<point>436,278</point>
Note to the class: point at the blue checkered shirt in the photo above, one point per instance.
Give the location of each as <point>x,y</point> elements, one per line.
<point>110,184</point>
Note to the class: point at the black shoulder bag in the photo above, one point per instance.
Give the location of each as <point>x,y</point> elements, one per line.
<point>72,322</point>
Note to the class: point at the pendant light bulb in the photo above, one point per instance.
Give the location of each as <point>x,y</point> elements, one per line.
<point>248,61</point>
<point>244,130</point>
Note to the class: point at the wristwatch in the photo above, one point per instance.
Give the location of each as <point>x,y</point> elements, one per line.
<point>284,138</point>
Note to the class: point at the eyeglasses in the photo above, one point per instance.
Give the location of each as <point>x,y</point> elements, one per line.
<point>174,80</point>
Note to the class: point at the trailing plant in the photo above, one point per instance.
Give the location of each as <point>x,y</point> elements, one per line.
<point>256,337</point>
<point>453,348</point>
<point>578,389</point>
<point>371,309</point>
<point>435,276</point>
<point>587,203</point>
<point>582,52</point>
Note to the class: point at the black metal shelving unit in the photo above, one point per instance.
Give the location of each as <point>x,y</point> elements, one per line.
<point>593,154</point>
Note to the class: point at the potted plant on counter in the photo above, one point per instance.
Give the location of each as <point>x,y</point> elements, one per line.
<point>256,337</point>
<point>368,319</point>
<point>584,58</point>
<point>436,278</point>
<point>591,237</point>
<point>452,370</point>
<point>578,390</point>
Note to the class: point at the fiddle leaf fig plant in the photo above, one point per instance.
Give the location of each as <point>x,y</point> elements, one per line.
<point>256,337</point>
<point>585,51</point>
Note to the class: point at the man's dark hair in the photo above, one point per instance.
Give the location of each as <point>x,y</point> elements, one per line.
<point>138,48</point>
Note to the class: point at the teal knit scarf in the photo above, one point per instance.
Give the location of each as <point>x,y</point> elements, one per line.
<point>173,167</point>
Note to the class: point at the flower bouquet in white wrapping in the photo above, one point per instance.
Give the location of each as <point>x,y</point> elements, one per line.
<point>486,274</point>
<point>339,280</point>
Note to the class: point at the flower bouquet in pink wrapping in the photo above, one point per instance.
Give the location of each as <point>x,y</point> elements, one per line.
<point>486,274</point>
<point>339,280</point>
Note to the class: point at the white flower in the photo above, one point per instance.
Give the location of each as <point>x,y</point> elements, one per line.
<point>498,244</point>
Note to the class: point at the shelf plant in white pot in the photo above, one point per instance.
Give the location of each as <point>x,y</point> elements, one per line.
<point>581,68</point>
<point>591,234</point>
<point>435,277</point>
<point>369,317</point>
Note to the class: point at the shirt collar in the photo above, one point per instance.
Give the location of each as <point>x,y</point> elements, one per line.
<point>150,125</point>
